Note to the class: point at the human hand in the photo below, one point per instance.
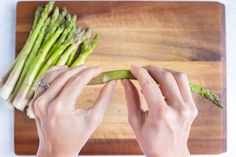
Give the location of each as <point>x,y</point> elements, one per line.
<point>163,130</point>
<point>63,129</point>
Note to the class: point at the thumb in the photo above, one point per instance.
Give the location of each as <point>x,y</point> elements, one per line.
<point>104,98</point>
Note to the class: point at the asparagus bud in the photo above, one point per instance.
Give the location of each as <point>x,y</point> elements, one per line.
<point>87,49</point>
<point>37,16</point>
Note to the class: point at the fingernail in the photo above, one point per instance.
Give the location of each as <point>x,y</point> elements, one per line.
<point>134,67</point>
<point>113,84</point>
<point>98,69</point>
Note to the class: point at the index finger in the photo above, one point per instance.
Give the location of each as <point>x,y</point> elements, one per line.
<point>149,87</point>
<point>75,85</point>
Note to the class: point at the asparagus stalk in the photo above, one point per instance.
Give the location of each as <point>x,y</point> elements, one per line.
<point>64,57</point>
<point>57,21</point>
<point>70,28</point>
<point>16,71</point>
<point>86,50</point>
<point>71,57</point>
<point>30,59</point>
<point>56,54</point>
<point>36,19</point>
<point>20,99</point>
<point>126,74</point>
<point>73,48</point>
<point>53,58</point>
<point>55,16</point>
<point>73,54</point>
<point>37,16</point>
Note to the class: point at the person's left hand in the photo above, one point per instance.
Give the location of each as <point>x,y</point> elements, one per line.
<point>64,129</point>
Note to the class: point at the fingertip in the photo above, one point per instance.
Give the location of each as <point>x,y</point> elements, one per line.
<point>134,68</point>
<point>124,82</point>
<point>112,84</point>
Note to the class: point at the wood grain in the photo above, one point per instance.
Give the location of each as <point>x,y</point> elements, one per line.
<point>184,36</point>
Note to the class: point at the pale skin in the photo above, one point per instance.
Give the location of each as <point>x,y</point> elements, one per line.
<point>162,131</point>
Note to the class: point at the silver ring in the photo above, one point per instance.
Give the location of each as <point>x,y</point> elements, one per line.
<point>42,85</point>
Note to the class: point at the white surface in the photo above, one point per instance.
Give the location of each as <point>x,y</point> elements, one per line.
<point>7,51</point>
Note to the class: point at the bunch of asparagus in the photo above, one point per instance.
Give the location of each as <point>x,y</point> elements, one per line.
<point>54,40</point>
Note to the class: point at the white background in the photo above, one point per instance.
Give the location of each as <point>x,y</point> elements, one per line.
<point>7,52</point>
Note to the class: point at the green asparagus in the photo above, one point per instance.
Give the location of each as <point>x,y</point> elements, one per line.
<point>31,57</point>
<point>51,61</point>
<point>54,25</point>
<point>16,71</point>
<point>37,16</point>
<point>20,99</point>
<point>86,51</point>
<point>73,54</point>
<point>70,28</point>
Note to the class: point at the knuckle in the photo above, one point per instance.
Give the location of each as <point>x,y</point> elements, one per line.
<point>185,113</point>
<point>38,108</point>
<point>162,113</point>
<point>66,73</point>
<point>55,111</point>
<point>97,118</point>
<point>146,82</point>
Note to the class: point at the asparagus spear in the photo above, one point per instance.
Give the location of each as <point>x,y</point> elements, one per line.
<point>86,50</point>
<point>16,71</point>
<point>30,59</point>
<point>37,16</point>
<point>53,58</point>
<point>56,54</point>
<point>55,16</point>
<point>126,74</point>
<point>71,57</point>
<point>64,57</point>
<point>71,26</point>
<point>54,25</point>
<point>73,48</point>
<point>73,54</point>
<point>19,101</point>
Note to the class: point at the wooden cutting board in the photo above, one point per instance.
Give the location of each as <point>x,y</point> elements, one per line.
<point>184,36</point>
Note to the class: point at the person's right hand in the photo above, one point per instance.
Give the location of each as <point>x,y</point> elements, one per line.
<point>163,130</point>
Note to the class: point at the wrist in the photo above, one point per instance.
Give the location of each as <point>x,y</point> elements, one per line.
<point>160,153</point>
<point>42,152</point>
